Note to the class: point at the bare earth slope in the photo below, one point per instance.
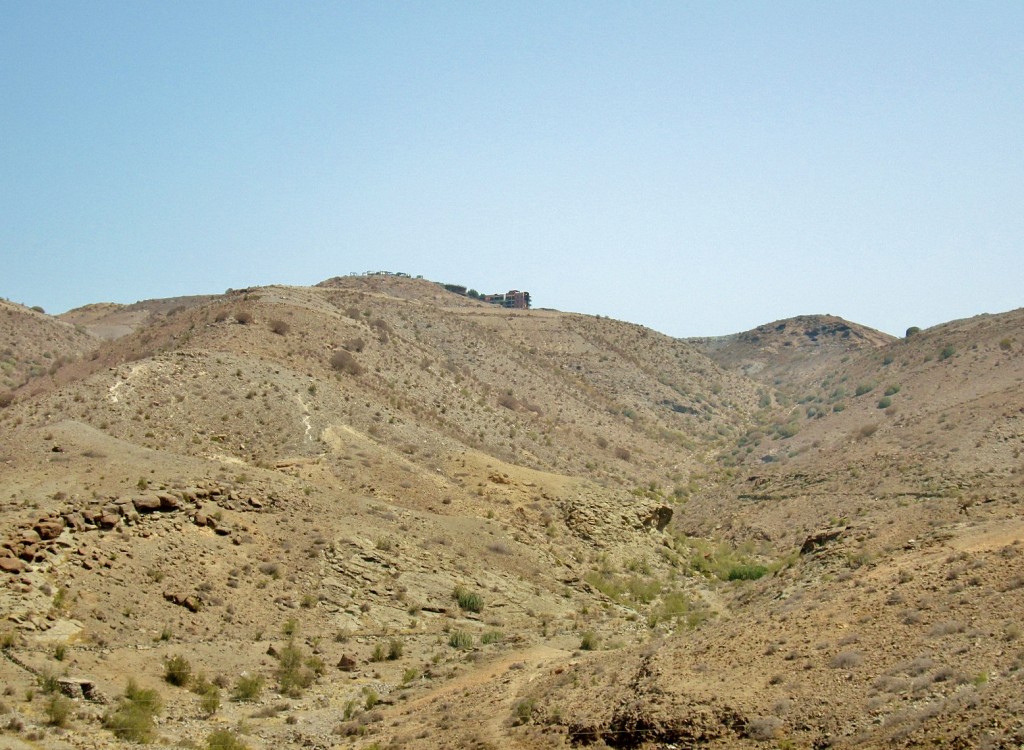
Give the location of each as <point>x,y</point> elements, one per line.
<point>373,512</point>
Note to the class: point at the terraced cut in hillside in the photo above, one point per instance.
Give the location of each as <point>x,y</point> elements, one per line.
<point>373,513</point>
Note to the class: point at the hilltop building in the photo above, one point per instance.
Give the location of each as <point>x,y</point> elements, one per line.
<point>513,299</point>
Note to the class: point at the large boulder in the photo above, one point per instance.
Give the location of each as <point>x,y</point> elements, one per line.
<point>146,503</point>
<point>168,501</point>
<point>49,528</point>
<point>11,565</point>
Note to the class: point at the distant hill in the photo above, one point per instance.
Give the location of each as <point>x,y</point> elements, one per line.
<point>107,320</point>
<point>791,349</point>
<point>33,344</point>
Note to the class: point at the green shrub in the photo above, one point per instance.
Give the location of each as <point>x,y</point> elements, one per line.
<point>209,702</point>
<point>491,636</point>
<point>48,683</point>
<point>224,739</point>
<point>787,430</point>
<point>134,717</point>
<point>745,572</point>
<point>208,692</point>
<point>468,600</point>
<point>58,710</point>
<point>1005,344</point>
<point>371,699</point>
<point>589,641</point>
<point>460,639</point>
<point>884,403</point>
<point>247,688</point>
<point>177,670</point>
<point>912,330</point>
<point>864,388</point>
<point>523,711</point>
<point>394,650</point>
<point>293,675</point>
<point>947,352</point>
<point>379,652</point>
<point>892,390</point>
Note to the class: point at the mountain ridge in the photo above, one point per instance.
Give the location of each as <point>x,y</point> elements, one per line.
<point>513,528</point>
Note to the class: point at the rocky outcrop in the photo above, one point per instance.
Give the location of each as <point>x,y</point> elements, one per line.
<point>819,539</point>
<point>593,518</point>
<point>189,601</point>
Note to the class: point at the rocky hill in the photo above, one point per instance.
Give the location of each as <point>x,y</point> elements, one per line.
<point>792,349</point>
<point>376,513</point>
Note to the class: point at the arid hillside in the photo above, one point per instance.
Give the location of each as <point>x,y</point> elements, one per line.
<point>373,513</point>
<point>33,344</point>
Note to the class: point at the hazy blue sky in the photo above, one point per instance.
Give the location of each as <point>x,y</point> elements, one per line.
<point>699,168</point>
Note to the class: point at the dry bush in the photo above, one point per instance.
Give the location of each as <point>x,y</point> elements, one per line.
<point>867,431</point>
<point>763,728</point>
<point>622,453</point>
<point>382,328</point>
<point>6,399</point>
<point>343,361</point>
<point>946,628</point>
<point>280,327</point>
<point>847,659</point>
<point>243,317</point>
<point>354,345</point>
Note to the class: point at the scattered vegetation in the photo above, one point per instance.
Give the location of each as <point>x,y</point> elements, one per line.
<point>134,717</point>
<point>58,710</point>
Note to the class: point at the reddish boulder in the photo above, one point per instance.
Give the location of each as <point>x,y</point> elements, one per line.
<point>49,528</point>
<point>11,565</point>
<point>168,501</point>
